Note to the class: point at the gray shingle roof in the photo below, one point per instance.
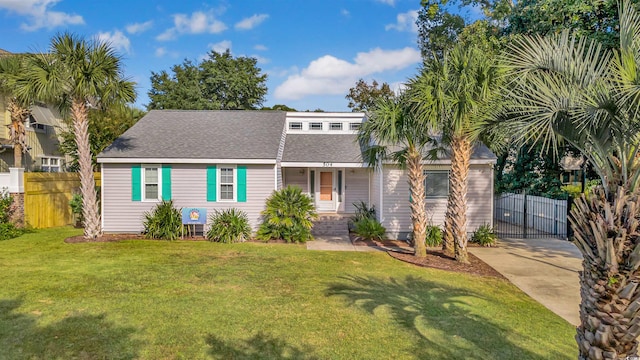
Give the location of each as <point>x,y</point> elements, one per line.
<point>334,148</point>
<point>201,135</point>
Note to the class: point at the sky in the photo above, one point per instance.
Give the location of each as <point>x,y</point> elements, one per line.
<point>312,51</point>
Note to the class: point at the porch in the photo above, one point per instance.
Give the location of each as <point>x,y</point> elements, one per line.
<point>333,189</point>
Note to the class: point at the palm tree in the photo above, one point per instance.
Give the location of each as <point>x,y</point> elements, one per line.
<point>568,89</point>
<point>12,70</point>
<point>454,94</point>
<point>393,131</point>
<point>77,74</point>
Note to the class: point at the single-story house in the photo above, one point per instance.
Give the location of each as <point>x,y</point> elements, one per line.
<point>223,159</point>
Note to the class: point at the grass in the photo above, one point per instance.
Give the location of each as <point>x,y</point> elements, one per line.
<point>199,300</point>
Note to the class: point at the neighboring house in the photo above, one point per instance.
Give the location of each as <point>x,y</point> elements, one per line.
<point>42,132</point>
<point>222,159</point>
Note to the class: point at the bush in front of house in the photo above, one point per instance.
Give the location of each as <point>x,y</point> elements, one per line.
<point>433,236</point>
<point>76,208</point>
<point>369,229</point>
<point>163,222</point>
<point>363,211</point>
<point>485,236</point>
<point>288,215</point>
<point>229,226</point>
<point>8,230</point>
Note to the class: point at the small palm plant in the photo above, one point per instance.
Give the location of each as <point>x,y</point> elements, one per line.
<point>288,215</point>
<point>229,226</point>
<point>163,222</point>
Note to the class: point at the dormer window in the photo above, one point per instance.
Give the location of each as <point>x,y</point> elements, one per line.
<point>295,126</point>
<point>315,126</point>
<point>336,126</point>
<point>354,126</point>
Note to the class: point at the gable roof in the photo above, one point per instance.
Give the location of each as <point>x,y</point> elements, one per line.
<point>187,134</point>
<point>333,148</point>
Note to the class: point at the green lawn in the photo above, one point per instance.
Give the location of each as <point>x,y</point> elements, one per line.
<point>198,300</point>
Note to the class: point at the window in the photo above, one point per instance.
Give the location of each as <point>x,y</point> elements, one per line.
<point>32,124</point>
<point>336,126</point>
<point>151,183</point>
<point>354,126</point>
<point>227,184</point>
<point>437,183</point>
<point>315,126</point>
<point>50,164</point>
<point>295,126</point>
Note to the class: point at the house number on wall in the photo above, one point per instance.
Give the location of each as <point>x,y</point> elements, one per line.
<point>327,164</point>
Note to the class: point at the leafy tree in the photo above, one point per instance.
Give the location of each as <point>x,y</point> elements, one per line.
<point>597,20</point>
<point>220,82</point>
<point>527,167</point>
<point>104,127</point>
<point>280,107</point>
<point>12,72</point>
<point>77,73</point>
<point>566,88</point>
<point>399,134</point>
<point>454,94</point>
<point>363,96</point>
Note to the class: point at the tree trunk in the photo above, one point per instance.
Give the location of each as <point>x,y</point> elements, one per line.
<point>606,232</point>
<point>448,240</point>
<point>17,134</point>
<point>417,203</point>
<point>457,202</point>
<point>87,182</point>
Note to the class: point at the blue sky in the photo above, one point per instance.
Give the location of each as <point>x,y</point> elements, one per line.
<point>312,51</point>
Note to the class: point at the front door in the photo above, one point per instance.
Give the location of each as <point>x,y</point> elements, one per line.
<point>326,198</point>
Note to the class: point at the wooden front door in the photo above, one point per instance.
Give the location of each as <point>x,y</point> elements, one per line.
<point>326,199</point>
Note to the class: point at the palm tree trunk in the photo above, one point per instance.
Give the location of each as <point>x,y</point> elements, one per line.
<point>418,206</point>
<point>17,135</point>
<point>448,246</point>
<point>606,232</point>
<point>457,201</point>
<point>87,181</point>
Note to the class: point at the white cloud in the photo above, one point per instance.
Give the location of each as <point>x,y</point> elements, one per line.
<point>221,46</point>
<point>388,2</point>
<point>405,22</point>
<point>261,59</point>
<point>329,75</point>
<point>198,23</point>
<point>260,47</point>
<point>40,14</point>
<point>117,39</point>
<point>251,22</point>
<point>345,13</point>
<point>137,28</point>
<point>160,52</point>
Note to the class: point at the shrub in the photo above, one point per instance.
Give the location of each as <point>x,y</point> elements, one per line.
<point>433,236</point>
<point>76,207</point>
<point>288,215</point>
<point>363,211</point>
<point>6,209</point>
<point>485,236</point>
<point>10,231</point>
<point>369,229</point>
<point>163,222</point>
<point>229,226</point>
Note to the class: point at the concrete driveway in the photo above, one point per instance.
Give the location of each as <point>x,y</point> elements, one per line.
<point>545,269</point>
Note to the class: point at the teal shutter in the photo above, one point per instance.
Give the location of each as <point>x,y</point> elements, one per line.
<point>212,188</point>
<point>166,182</point>
<point>136,183</point>
<point>242,184</point>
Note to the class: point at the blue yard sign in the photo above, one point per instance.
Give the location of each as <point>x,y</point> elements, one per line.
<point>193,216</point>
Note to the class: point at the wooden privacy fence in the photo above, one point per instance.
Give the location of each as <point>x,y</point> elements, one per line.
<point>521,215</point>
<point>47,195</point>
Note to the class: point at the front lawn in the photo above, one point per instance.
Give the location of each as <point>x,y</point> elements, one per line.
<point>195,300</point>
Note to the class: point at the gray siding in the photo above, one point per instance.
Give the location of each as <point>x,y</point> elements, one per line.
<point>396,216</point>
<point>293,177</point>
<point>189,189</point>
<point>357,188</point>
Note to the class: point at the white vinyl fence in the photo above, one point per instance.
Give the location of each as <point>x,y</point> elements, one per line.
<point>526,215</point>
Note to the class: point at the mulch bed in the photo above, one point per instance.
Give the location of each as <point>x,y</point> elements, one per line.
<point>435,258</point>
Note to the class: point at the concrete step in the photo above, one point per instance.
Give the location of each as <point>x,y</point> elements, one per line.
<point>331,225</point>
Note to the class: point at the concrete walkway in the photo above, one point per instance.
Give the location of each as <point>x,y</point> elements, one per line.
<point>335,243</point>
<point>545,269</point>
